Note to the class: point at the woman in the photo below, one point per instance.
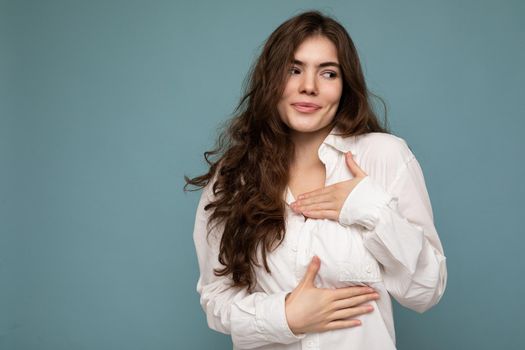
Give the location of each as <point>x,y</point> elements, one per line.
<point>313,215</point>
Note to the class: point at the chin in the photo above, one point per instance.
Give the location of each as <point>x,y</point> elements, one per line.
<point>306,130</point>
<point>307,127</point>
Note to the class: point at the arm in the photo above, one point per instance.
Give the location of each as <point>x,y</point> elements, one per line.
<point>253,320</point>
<point>399,232</point>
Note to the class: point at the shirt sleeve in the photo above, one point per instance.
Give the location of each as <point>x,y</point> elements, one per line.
<point>398,230</point>
<point>252,319</point>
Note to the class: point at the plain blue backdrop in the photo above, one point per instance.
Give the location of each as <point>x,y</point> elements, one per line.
<point>106,105</point>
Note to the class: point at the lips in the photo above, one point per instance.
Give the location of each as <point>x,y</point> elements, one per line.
<point>306,107</point>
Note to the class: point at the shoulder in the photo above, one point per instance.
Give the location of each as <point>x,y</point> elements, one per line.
<point>383,147</point>
<point>381,155</point>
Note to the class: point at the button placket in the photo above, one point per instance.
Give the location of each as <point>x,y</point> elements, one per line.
<point>303,242</point>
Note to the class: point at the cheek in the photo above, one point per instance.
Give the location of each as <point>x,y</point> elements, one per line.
<point>285,100</point>
<point>334,94</point>
<point>281,109</point>
<point>288,90</point>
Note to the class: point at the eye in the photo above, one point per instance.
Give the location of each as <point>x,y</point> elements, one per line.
<point>330,74</point>
<point>294,70</point>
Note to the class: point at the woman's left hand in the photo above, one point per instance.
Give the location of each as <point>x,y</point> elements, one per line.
<point>326,202</point>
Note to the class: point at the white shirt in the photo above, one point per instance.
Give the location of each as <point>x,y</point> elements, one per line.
<point>385,238</point>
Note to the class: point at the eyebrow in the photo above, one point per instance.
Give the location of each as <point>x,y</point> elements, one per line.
<point>321,65</point>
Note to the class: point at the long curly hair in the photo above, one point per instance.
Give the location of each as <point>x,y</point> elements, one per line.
<point>250,166</point>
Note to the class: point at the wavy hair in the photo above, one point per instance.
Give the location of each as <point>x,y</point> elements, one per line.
<point>250,169</point>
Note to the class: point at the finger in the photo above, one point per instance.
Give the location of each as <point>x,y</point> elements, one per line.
<point>324,196</point>
<point>317,206</point>
<point>351,312</point>
<point>314,192</point>
<point>352,165</point>
<point>354,301</point>
<point>339,324</point>
<point>312,270</point>
<point>322,214</point>
<point>348,292</point>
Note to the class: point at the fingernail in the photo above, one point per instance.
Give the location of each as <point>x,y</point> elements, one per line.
<point>370,308</point>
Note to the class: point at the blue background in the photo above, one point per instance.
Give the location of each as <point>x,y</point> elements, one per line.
<point>105,105</point>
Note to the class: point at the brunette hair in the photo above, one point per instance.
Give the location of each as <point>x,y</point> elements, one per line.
<point>250,171</point>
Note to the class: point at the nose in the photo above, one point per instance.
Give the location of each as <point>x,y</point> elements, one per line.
<point>308,84</point>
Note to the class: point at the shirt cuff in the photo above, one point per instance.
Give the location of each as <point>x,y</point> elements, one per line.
<point>363,205</point>
<point>271,318</point>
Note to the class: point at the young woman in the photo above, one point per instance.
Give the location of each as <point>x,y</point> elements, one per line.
<point>313,214</point>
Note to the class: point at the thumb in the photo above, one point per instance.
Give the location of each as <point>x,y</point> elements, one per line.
<point>352,165</point>
<point>311,272</point>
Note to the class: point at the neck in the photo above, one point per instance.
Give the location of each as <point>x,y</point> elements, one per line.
<point>306,147</point>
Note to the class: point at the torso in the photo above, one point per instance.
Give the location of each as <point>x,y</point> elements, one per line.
<point>345,261</point>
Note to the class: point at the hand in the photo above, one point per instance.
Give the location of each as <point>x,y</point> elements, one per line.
<point>326,203</point>
<point>310,309</point>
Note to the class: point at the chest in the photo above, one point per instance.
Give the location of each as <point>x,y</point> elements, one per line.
<point>304,180</point>
<point>345,260</point>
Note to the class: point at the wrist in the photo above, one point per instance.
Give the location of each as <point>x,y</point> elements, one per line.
<point>292,328</point>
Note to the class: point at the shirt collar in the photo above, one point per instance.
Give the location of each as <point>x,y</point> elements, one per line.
<point>340,143</point>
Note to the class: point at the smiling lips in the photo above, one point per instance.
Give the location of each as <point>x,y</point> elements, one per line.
<point>306,107</point>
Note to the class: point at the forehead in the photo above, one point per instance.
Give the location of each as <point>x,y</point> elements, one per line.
<point>316,49</point>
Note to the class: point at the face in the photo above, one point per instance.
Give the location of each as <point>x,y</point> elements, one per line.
<point>313,90</point>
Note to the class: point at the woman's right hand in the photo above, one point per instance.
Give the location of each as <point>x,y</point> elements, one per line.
<point>310,309</point>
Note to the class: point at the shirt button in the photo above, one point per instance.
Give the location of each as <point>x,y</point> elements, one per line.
<point>294,249</point>
<point>368,269</point>
<point>310,343</point>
